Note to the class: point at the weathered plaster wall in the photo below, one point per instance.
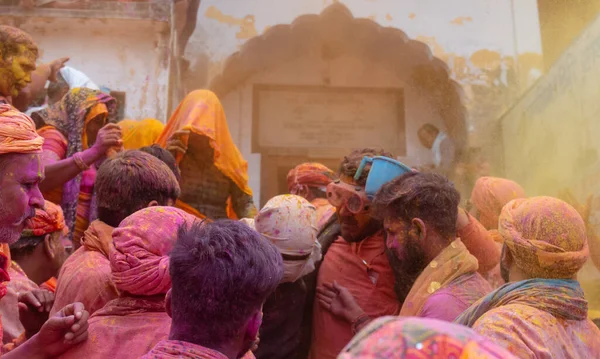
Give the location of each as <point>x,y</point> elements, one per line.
<point>550,137</point>
<point>491,46</point>
<point>346,71</point>
<point>122,55</point>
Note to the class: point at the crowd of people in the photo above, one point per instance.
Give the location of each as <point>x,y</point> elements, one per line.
<point>141,240</point>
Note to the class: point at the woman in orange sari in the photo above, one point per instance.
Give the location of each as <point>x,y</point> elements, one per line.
<point>214,175</point>
<point>77,133</point>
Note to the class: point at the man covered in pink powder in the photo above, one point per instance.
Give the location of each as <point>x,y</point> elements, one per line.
<point>21,171</point>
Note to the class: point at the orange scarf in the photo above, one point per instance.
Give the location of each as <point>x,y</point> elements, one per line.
<point>98,237</point>
<point>201,113</point>
<point>454,261</point>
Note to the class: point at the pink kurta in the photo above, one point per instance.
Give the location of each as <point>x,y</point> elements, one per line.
<point>126,328</point>
<point>450,301</point>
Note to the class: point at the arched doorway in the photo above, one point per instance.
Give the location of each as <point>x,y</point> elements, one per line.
<point>314,89</point>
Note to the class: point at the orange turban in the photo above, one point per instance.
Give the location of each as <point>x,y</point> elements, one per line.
<point>308,175</point>
<point>47,220</point>
<point>490,194</point>
<point>17,132</point>
<point>546,237</point>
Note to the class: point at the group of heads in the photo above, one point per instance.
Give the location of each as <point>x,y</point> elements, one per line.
<point>543,237</point>
<point>235,266</point>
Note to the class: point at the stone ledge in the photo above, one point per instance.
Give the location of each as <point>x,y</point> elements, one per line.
<point>158,10</point>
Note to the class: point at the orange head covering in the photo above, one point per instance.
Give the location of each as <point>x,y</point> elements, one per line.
<point>308,175</point>
<point>201,113</point>
<point>138,134</point>
<point>490,194</point>
<point>546,237</point>
<point>17,132</point>
<point>46,221</point>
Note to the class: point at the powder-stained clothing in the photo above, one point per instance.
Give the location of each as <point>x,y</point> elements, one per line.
<point>126,328</point>
<point>9,310</point>
<point>364,269</point>
<point>85,275</point>
<point>447,286</point>
<point>4,277</point>
<point>175,349</point>
<point>480,244</point>
<point>70,118</point>
<point>201,113</point>
<point>211,193</point>
<point>139,268</point>
<point>449,302</point>
<point>537,318</point>
<point>418,338</point>
<point>55,147</point>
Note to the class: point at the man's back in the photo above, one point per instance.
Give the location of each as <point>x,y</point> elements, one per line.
<point>85,278</point>
<point>529,332</point>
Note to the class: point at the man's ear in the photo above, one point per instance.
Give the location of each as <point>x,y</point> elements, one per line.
<point>153,203</point>
<point>418,229</point>
<point>254,326</point>
<point>49,246</point>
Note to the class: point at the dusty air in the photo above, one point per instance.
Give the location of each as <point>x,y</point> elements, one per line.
<point>299,179</point>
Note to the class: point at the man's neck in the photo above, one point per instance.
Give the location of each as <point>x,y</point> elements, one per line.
<point>230,349</point>
<point>32,268</point>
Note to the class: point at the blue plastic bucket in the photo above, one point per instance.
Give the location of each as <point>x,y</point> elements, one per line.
<point>383,170</point>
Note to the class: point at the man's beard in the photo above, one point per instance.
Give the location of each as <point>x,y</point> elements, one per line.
<point>408,270</point>
<point>9,235</point>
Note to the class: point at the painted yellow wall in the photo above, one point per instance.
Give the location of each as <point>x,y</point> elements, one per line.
<point>551,136</point>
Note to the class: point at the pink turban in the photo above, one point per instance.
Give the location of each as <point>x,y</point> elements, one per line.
<point>17,132</point>
<point>139,256</point>
<point>308,175</point>
<point>490,194</point>
<point>546,237</point>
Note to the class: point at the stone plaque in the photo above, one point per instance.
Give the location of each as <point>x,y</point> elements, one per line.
<point>332,120</point>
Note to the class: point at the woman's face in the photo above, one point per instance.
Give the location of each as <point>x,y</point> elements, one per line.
<point>93,127</point>
<point>199,149</point>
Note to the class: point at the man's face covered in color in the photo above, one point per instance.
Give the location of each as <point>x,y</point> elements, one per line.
<point>15,71</point>
<point>20,175</point>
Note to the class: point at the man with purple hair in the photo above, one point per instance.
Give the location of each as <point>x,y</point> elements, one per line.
<point>221,273</point>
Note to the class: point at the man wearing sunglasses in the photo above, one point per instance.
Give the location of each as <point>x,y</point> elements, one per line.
<point>356,259</point>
